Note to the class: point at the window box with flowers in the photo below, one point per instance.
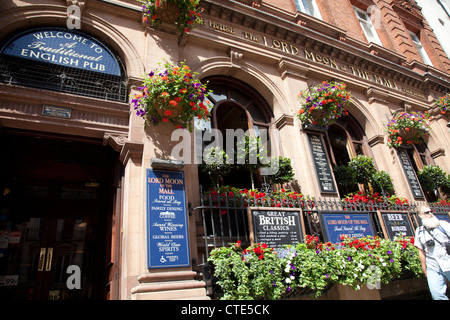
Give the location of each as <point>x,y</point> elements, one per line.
<point>186,14</point>
<point>228,196</point>
<point>408,128</point>
<point>172,94</point>
<point>261,272</point>
<point>444,104</point>
<point>323,104</point>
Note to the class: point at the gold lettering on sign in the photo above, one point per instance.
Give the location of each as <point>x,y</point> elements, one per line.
<point>316,57</point>
<point>321,59</point>
<point>221,27</point>
<point>251,37</point>
<point>385,82</point>
<point>360,73</point>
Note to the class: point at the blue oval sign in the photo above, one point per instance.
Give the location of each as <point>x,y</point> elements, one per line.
<point>63,47</point>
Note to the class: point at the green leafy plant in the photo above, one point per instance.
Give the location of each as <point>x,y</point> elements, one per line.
<point>285,172</point>
<point>363,168</point>
<point>345,179</point>
<point>323,104</point>
<point>253,157</point>
<point>215,164</point>
<point>172,94</point>
<point>381,182</point>
<point>408,128</point>
<point>432,178</point>
<point>185,13</point>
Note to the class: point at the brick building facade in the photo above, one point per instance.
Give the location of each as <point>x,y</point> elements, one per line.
<point>96,153</point>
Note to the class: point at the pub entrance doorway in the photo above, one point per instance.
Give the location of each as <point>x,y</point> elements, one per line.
<point>55,216</point>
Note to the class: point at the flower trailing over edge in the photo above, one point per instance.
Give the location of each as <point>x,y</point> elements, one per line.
<point>323,104</point>
<point>417,122</point>
<point>444,104</point>
<point>188,15</point>
<point>172,94</point>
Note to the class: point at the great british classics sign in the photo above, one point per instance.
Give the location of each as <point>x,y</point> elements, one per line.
<point>63,47</point>
<point>275,227</point>
<point>167,230</point>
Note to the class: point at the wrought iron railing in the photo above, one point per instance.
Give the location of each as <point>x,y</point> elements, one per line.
<point>53,77</point>
<point>225,219</point>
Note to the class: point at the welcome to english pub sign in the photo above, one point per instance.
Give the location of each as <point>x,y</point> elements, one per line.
<point>63,47</point>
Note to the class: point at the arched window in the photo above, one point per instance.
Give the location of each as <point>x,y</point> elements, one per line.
<point>237,106</point>
<point>63,60</point>
<point>345,140</point>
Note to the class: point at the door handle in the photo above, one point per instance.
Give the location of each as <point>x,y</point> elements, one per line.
<point>41,259</point>
<point>48,264</point>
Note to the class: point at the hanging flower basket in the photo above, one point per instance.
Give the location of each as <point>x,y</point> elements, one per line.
<point>168,11</point>
<point>323,104</point>
<point>408,128</point>
<point>172,94</point>
<point>186,14</point>
<point>444,104</point>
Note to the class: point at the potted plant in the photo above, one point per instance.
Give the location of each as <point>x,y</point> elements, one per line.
<point>444,104</point>
<point>186,14</point>
<point>172,94</point>
<point>408,128</point>
<point>323,104</point>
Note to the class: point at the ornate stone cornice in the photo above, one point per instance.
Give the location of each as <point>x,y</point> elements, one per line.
<point>322,38</point>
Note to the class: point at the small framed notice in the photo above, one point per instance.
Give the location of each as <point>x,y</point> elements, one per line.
<point>341,223</point>
<point>395,224</point>
<point>58,112</point>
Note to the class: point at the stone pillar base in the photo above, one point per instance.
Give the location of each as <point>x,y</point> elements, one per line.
<point>172,285</point>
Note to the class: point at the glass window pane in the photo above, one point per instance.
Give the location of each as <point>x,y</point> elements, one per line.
<point>218,92</point>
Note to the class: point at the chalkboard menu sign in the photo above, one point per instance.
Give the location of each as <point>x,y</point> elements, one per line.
<point>410,174</point>
<point>396,224</point>
<point>167,230</point>
<point>352,225</point>
<point>323,168</point>
<point>275,227</point>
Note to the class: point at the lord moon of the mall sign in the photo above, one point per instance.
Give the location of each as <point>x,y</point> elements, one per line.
<point>167,226</point>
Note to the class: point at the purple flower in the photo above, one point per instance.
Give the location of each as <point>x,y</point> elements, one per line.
<point>389,252</point>
<point>349,258</point>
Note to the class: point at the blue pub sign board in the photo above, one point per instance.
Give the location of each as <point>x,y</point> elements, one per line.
<point>63,47</point>
<point>167,229</point>
<point>352,225</point>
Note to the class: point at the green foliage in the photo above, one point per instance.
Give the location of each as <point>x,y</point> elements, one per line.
<point>361,169</point>
<point>433,178</point>
<point>381,181</point>
<point>285,172</point>
<point>259,272</point>
<point>345,178</point>
<point>215,164</point>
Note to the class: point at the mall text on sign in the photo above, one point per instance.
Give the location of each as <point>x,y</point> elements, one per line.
<point>167,229</point>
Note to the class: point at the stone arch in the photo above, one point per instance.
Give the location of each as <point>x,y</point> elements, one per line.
<point>250,75</point>
<point>364,117</point>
